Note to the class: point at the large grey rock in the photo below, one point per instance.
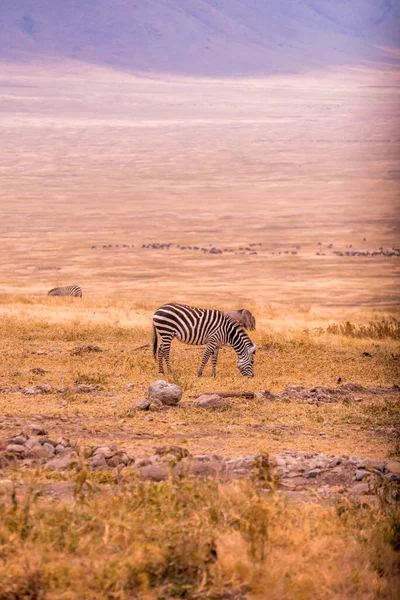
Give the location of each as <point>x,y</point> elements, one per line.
<point>40,451</point>
<point>61,464</point>
<point>97,462</point>
<point>16,449</point>
<point>104,451</point>
<point>210,401</point>
<point>167,393</point>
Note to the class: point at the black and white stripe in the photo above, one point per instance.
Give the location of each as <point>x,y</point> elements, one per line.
<point>69,290</point>
<point>201,326</point>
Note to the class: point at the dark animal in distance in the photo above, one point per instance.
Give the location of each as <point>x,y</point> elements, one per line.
<point>69,290</point>
<point>201,326</point>
<point>243,317</point>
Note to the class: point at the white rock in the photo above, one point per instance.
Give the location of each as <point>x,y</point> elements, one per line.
<point>167,393</point>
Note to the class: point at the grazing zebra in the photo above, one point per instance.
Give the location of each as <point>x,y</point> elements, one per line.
<point>201,326</point>
<point>69,290</point>
<point>243,317</point>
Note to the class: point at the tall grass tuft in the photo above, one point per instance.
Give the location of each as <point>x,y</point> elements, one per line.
<point>379,329</point>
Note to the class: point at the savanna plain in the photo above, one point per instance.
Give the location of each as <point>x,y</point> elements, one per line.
<point>279,195</point>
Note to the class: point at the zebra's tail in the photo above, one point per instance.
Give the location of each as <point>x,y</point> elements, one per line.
<point>155,342</point>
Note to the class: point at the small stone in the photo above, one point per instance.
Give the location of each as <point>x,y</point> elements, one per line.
<point>61,464</point>
<point>393,466</point>
<point>130,386</point>
<point>59,449</point>
<point>156,405</point>
<point>376,465</point>
<point>148,418</point>
<point>142,462</point>
<point>38,451</point>
<point>210,401</point>
<point>64,441</point>
<point>19,439</point>
<point>31,441</point>
<point>361,474</point>
<point>313,473</point>
<point>167,393</point>
<point>142,405</point>
<point>16,449</point>
<point>37,430</point>
<point>113,404</point>
<point>337,469</point>
<point>114,461</point>
<point>154,472</point>
<point>49,447</point>
<point>97,462</point>
<point>38,371</point>
<point>104,451</point>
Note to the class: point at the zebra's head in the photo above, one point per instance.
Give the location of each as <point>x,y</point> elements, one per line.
<point>245,362</point>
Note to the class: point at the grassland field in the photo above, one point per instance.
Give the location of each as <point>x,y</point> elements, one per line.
<point>309,164</point>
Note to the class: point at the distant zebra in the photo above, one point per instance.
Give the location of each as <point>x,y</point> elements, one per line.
<point>201,326</point>
<point>69,290</point>
<point>243,317</point>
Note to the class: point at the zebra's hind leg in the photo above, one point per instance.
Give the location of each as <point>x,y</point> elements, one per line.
<point>210,349</point>
<point>160,355</point>
<point>214,359</point>
<point>163,352</point>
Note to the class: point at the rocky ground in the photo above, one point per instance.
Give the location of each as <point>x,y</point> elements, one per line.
<point>327,475</point>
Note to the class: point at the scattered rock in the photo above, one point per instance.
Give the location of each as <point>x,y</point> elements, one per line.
<point>104,451</point>
<point>15,449</point>
<point>40,451</point>
<point>361,474</point>
<point>313,473</point>
<point>37,430</point>
<point>393,466</point>
<point>19,439</point>
<point>97,462</point>
<point>210,401</point>
<point>167,393</point>
<point>38,371</point>
<point>85,350</point>
<point>34,390</point>
<point>61,464</point>
<point>142,405</point>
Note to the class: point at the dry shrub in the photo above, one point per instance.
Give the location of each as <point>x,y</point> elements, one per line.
<point>189,539</point>
<point>379,329</point>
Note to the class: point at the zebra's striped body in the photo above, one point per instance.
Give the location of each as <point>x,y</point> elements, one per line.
<point>201,326</point>
<point>70,290</point>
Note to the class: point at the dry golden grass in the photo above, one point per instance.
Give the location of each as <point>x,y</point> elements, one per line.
<point>95,157</point>
<point>182,539</point>
<point>304,355</point>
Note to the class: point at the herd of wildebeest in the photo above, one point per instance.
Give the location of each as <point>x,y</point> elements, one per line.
<point>250,249</point>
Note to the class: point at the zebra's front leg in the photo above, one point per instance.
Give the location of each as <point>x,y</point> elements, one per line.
<point>214,359</point>
<point>210,349</point>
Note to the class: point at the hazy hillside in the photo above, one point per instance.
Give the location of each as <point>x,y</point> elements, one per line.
<point>201,36</point>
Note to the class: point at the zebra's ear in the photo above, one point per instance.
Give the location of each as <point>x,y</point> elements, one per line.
<point>253,349</point>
